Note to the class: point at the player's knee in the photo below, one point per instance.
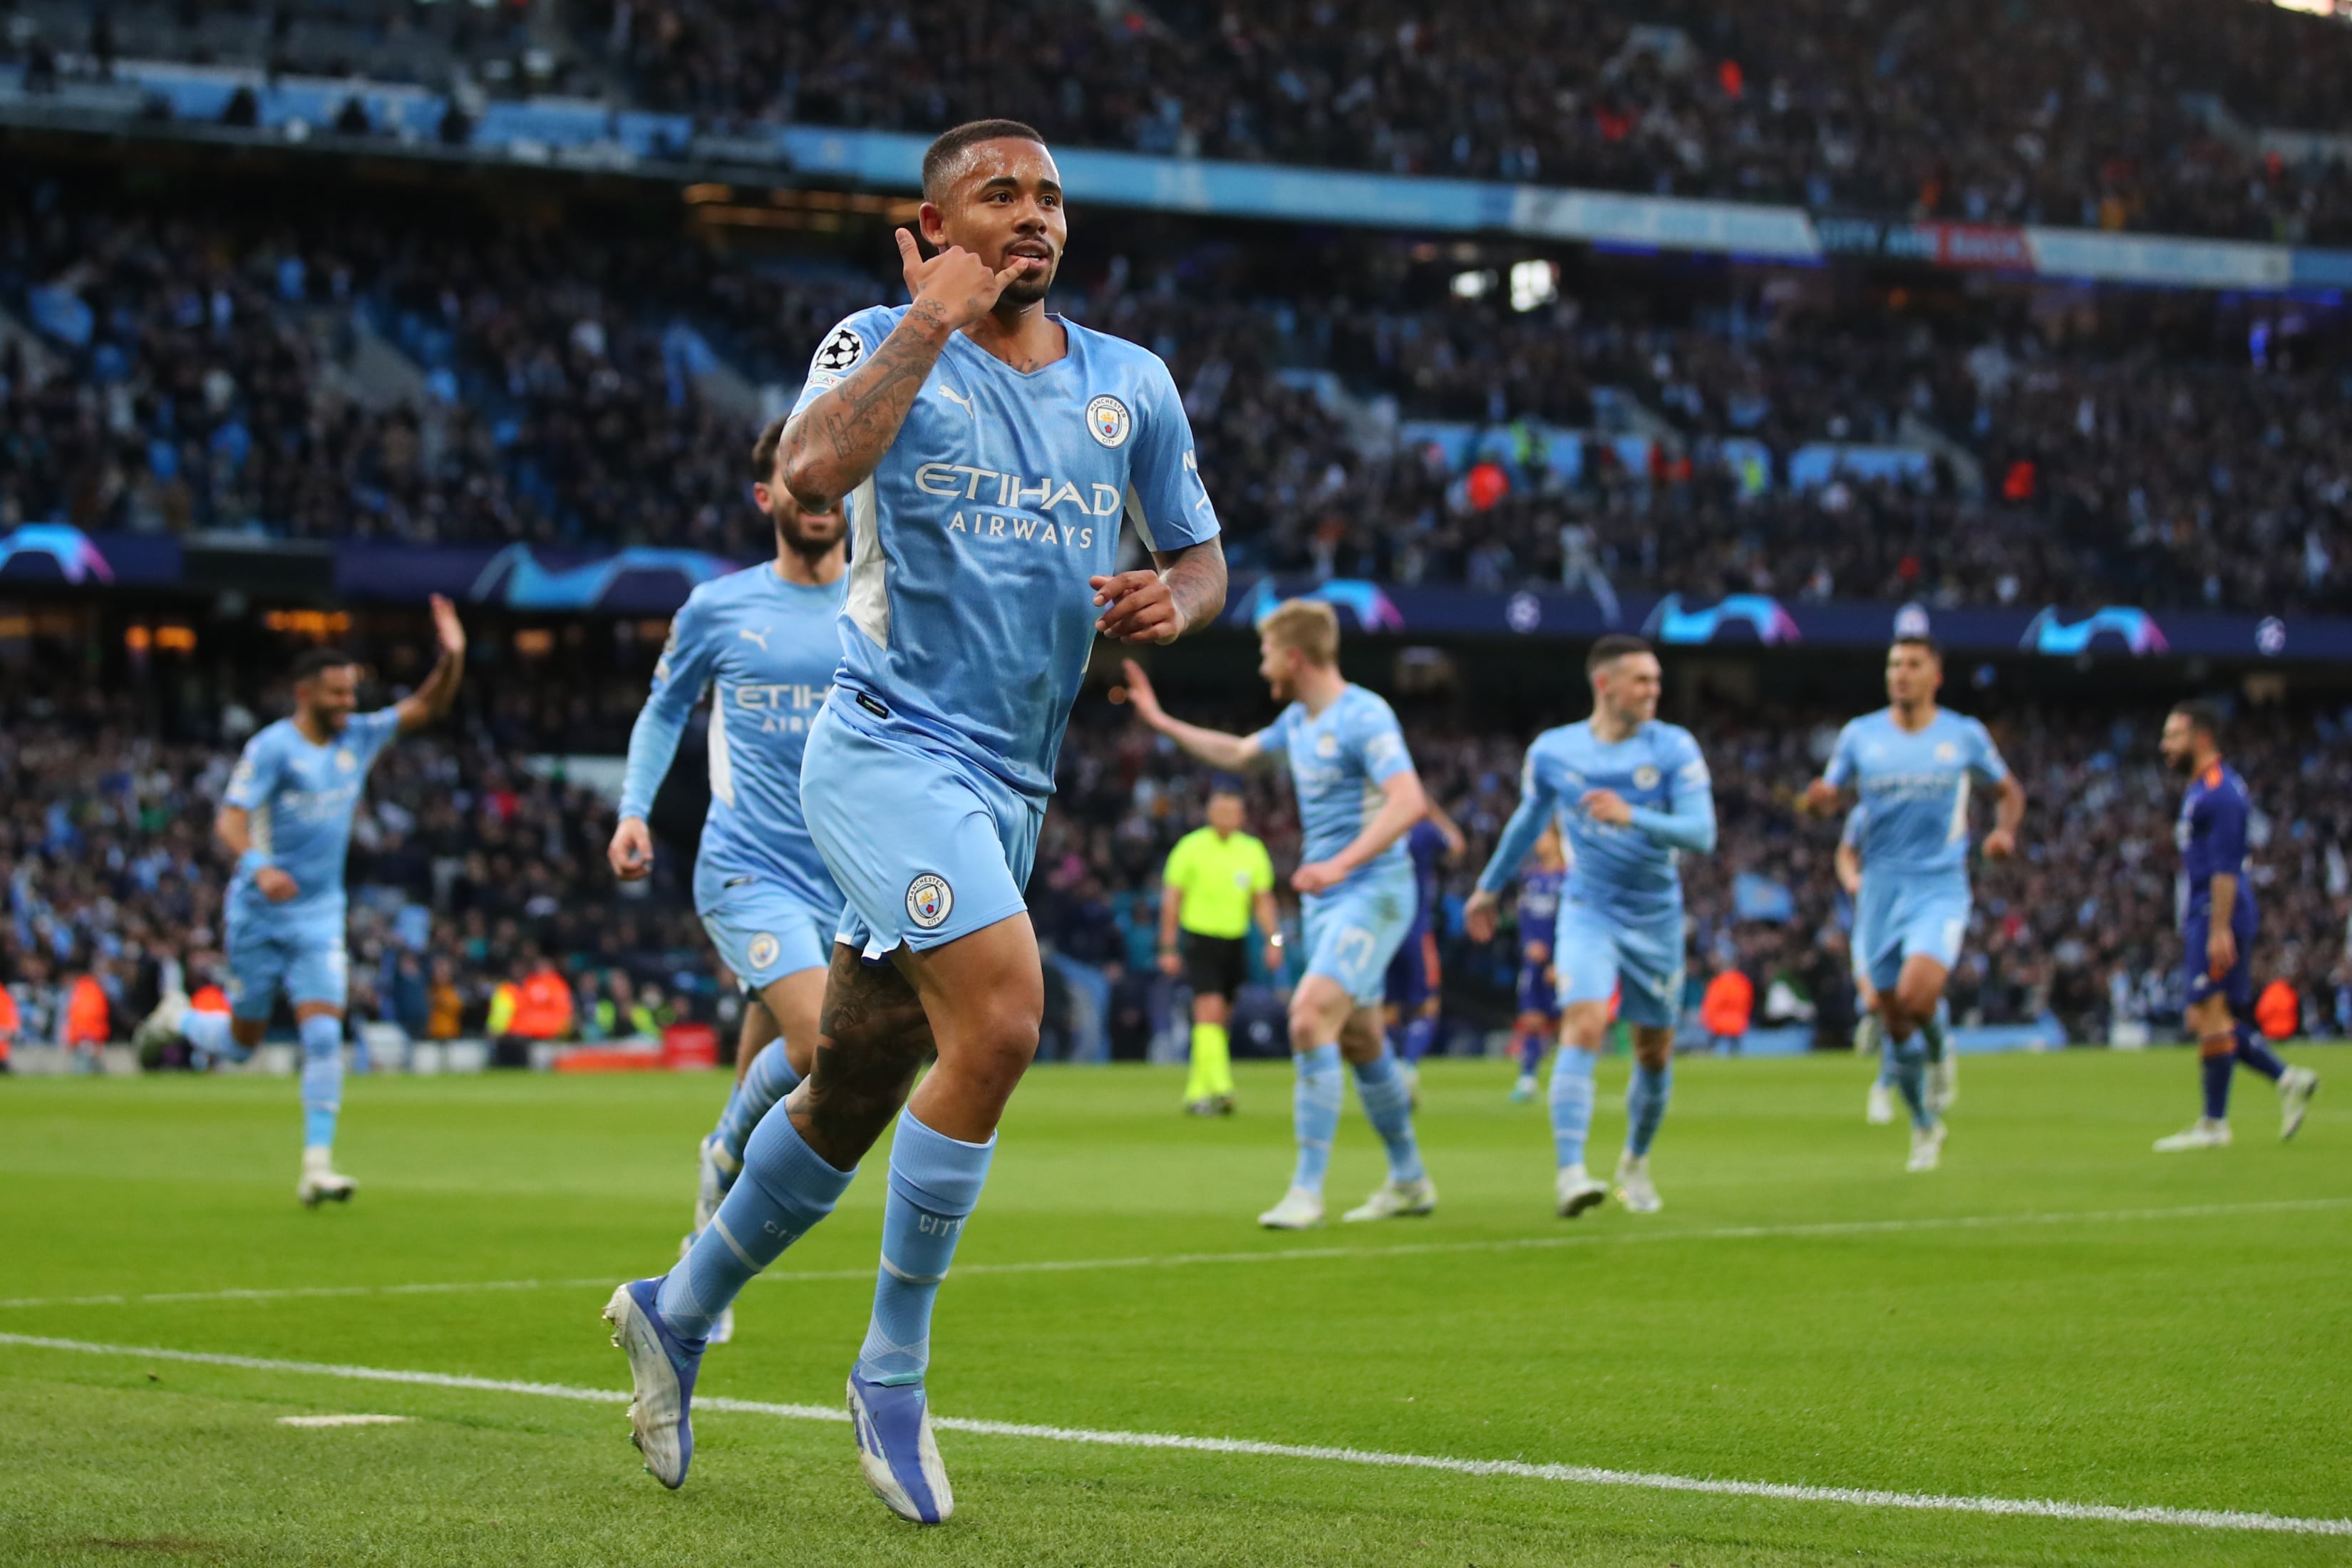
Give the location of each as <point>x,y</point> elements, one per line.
<point>1916,995</point>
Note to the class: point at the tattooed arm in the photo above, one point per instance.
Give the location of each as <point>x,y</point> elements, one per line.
<point>1186,591</point>
<point>833,445</point>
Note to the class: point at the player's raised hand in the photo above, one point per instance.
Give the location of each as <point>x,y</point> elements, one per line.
<point>960,284</point>
<point>1606,805</point>
<point>274,884</point>
<point>1478,915</point>
<point>632,850</point>
<point>447,626</point>
<point>1999,844</point>
<point>1821,798</point>
<point>1137,606</point>
<point>1139,693</point>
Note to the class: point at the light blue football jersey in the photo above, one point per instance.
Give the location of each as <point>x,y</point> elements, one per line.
<point>1339,758</point>
<point>1914,788</point>
<point>765,650</point>
<point>969,617</point>
<point>1634,870</point>
<point>299,798</point>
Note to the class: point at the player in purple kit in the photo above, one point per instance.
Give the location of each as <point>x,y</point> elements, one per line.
<point>1540,887</point>
<point>1414,978</point>
<point>2218,922</point>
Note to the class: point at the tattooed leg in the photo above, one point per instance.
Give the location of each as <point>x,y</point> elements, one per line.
<point>872,1038</point>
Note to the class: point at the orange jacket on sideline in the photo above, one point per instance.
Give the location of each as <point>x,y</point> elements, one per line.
<point>2278,1012</point>
<point>1729,1002</point>
<point>543,1006</point>
<point>87,1016</point>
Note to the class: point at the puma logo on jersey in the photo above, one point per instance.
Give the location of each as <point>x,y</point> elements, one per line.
<point>760,636</point>
<point>957,398</point>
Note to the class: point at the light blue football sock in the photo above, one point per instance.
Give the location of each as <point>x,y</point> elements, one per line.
<point>322,1078</point>
<point>1911,1076</point>
<point>1645,1105</point>
<point>1315,1113</point>
<point>935,1182</point>
<point>1388,1104</point>
<point>1571,1103</point>
<point>768,1079</point>
<point>786,1189</point>
<point>1887,1064</point>
<point>209,1033</point>
<point>1932,1030</point>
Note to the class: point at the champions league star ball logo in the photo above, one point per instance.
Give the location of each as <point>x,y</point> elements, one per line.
<point>930,901</point>
<point>1108,422</point>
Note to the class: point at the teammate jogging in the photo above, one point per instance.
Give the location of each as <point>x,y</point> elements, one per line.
<point>1358,794</point>
<point>1911,765</point>
<point>986,455</point>
<point>762,644</point>
<point>1631,794</point>
<point>286,818</point>
<point>1217,878</point>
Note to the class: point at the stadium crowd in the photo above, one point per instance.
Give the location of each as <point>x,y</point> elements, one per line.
<point>472,871</point>
<point>188,374</point>
<point>2139,114</point>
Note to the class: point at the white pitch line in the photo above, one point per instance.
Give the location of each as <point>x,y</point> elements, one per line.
<point>1826,1230</point>
<point>344,1420</point>
<point>1517,1469</point>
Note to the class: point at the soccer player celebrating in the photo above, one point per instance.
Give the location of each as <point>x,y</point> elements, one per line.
<point>1631,794</point>
<point>1911,765</point>
<point>1538,921</point>
<point>2218,922</point>
<point>1216,879</point>
<point>1345,753</point>
<point>984,452</point>
<point>763,644</point>
<point>286,818</point>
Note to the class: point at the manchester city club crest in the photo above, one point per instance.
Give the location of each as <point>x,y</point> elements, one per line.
<point>764,951</point>
<point>1108,422</point>
<point>1645,777</point>
<point>930,901</point>
<point>346,759</point>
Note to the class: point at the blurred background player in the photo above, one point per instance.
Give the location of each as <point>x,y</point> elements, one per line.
<point>1345,753</point>
<point>1216,879</point>
<point>286,818</point>
<point>1630,794</point>
<point>1869,1029</point>
<point>2218,922</point>
<point>1538,1023</point>
<point>1414,981</point>
<point>965,634</point>
<point>1911,765</point>
<point>762,644</point>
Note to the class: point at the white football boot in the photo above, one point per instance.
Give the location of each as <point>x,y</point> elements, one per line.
<point>1634,1188</point>
<point>1395,1200</point>
<point>1577,1191</point>
<point>1298,1210</point>
<point>2203,1134</point>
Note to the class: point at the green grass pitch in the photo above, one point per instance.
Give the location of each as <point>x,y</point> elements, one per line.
<point>2056,1314</point>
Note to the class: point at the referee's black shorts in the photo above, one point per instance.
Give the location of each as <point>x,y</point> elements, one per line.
<point>1215,965</point>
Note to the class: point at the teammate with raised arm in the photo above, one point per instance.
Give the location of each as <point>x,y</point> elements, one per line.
<point>2217,923</point>
<point>762,644</point>
<point>1358,795</point>
<point>1631,794</point>
<point>1911,765</point>
<point>286,818</point>
<point>984,453</point>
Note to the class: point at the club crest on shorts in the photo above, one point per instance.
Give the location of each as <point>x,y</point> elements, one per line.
<point>930,901</point>
<point>764,952</point>
<point>1108,422</point>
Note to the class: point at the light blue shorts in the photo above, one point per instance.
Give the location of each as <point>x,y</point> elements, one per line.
<point>1895,917</point>
<point>1596,955</point>
<point>1353,931</point>
<point>764,932</point>
<point>924,846</point>
<point>308,966</point>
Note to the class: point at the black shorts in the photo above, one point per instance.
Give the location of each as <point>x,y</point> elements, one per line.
<point>1215,965</point>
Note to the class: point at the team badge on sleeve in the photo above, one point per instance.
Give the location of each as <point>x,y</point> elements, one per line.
<point>840,352</point>
<point>930,901</point>
<point>1108,422</point>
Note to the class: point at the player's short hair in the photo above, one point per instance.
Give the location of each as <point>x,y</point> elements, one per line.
<point>2202,715</point>
<point>763,450</point>
<point>1919,640</point>
<point>939,157</point>
<point>1613,647</point>
<point>312,662</point>
<point>1307,624</point>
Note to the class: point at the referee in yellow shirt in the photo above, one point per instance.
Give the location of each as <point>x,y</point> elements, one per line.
<point>1217,878</point>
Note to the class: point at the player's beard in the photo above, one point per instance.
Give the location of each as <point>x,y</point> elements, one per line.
<point>791,533</point>
<point>1031,288</point>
